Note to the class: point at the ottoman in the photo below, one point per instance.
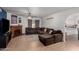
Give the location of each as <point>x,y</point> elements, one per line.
<point>46,39</point>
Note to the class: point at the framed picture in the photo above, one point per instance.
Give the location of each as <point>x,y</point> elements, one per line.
<point>13,19</point>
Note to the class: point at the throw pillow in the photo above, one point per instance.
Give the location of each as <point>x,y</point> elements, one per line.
<point>50,31</point>
<point>45,30</point>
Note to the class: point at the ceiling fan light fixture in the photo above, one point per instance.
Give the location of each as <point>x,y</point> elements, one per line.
<point>29,17</point>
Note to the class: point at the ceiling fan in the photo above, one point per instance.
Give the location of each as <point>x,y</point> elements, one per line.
<point>29,14</point>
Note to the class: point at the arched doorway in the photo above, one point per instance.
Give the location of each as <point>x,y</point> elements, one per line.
<point>71,27</point>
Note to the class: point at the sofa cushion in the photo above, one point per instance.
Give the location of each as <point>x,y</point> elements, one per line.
<point>46,36</point>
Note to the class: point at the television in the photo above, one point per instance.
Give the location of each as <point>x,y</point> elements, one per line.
<point>4,26</point>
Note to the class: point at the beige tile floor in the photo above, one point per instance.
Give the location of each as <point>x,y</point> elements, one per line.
<point>32,43</point>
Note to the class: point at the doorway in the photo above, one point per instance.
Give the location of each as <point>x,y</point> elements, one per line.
<point>71,27</point>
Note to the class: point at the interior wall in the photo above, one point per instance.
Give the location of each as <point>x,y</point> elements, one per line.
<point>72,20</point>
<point>24,22</point>
<point>59,19</point>
<point>23,19</point>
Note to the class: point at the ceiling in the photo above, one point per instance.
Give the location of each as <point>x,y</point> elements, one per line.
<point>35,11</point>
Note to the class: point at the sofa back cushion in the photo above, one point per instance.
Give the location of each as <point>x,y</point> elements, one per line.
<point>31,30</point>
<point>42,29</point>
<point>57,32</point>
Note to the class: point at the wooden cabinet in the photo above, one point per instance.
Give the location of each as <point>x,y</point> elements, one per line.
<point>16,30</point>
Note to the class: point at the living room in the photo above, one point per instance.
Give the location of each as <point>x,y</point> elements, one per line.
<point>42,28</point>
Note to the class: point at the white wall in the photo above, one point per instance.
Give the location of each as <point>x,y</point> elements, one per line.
<point>24,24</point>
<point>23,19</point>
<point>59,19</point>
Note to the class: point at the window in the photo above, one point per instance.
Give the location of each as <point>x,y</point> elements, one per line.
<point>33,23</point>
<point>36,23</point>
<point>29,23</point>
<point>13,19</point>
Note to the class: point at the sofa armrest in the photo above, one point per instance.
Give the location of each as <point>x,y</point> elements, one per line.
<point>58,38</point>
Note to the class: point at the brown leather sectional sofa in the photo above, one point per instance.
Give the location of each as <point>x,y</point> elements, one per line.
<point>46,35</point>
<point>37,30</point>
